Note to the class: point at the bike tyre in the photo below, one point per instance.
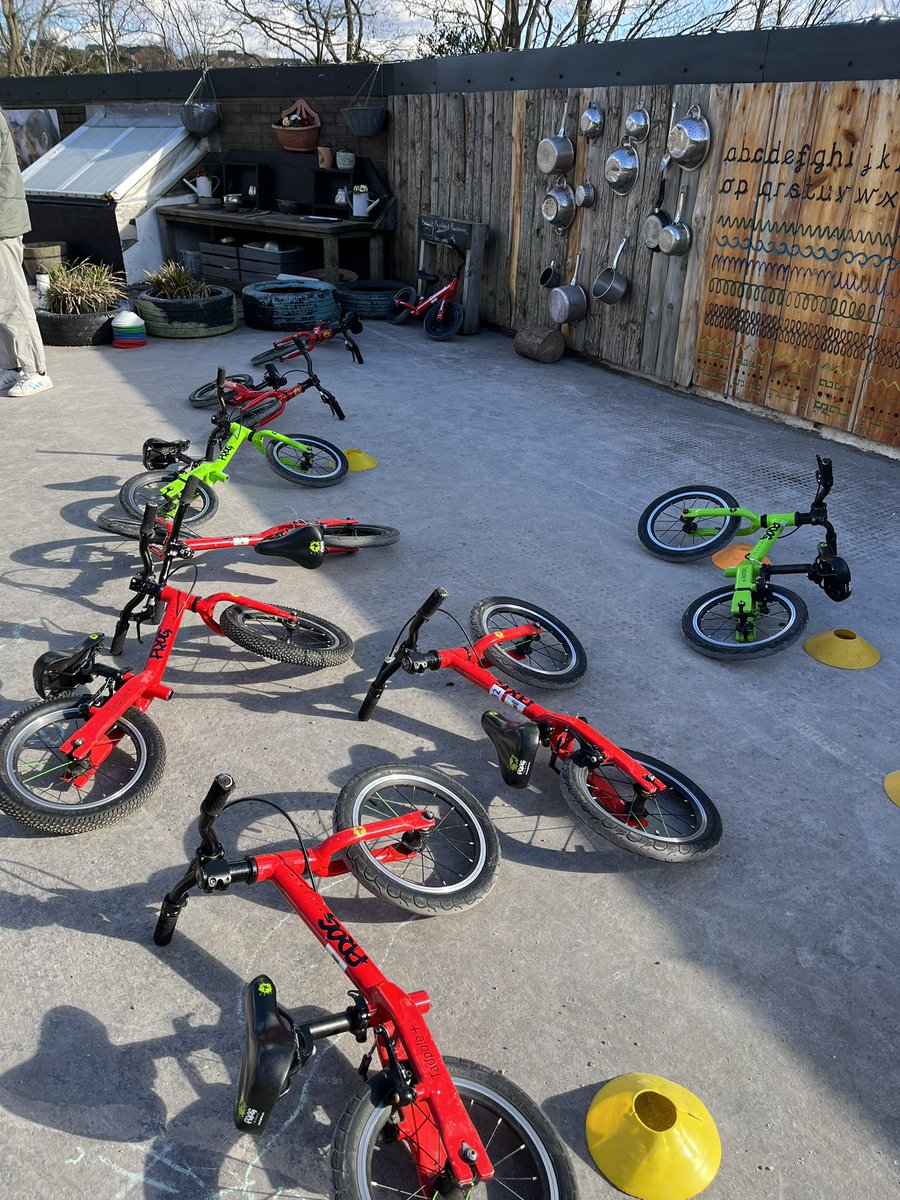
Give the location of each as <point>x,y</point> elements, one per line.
<point>273,354</point>
<point>395,315</point>
<point>456,810</point>
<point>132,529</point>
<point>140,490</point>
<point>23,805</point>
<point>334,644</point>
<point>603,826</point>
<point>791,603</point>
<point>564,673</point>
<point>274,457</point>
<point>440,328</point>
<point>540,1153</point>
<point>716,497</point>
<point>358,537</point>
<point>208,395</point>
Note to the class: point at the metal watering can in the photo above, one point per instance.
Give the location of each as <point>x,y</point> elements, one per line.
<point>202,185</point>
<point>362,205</point>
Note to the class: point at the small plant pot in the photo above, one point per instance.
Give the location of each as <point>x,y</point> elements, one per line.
<point>345,160</point>
<point>206,316</point>
<point>74,329</point>
<point>326,157</point>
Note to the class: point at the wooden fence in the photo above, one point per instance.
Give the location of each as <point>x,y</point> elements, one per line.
<point>789,297</point>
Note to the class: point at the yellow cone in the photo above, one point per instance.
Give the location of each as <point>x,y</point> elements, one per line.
<point>842,648</point>
<point>652,1138</point>
<point>733,555</point>
<point>892,787</point>
<point>360,461</point>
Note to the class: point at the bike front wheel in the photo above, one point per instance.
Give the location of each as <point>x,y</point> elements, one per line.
<point>275,353</point>
<point>678,824</point>
<point>33,787</point>
<point>301,638</point>
<point>309,461</point>
<point>556,660</point>
<point>711,627</point>
<point>440,325</point>
<point>358,537</point>
<point>445,869</point>
<point>369,1161</point>
<point>132,529</point>
<point>146,488</point>
<point>399,312</point>
<point>663,532</point>
<point>208,395</point>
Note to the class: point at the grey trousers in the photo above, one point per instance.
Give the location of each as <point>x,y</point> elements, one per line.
<point>20,339</point>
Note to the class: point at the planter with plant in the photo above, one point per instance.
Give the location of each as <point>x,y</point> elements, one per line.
<point>176,303</point>
<point>79,300</point>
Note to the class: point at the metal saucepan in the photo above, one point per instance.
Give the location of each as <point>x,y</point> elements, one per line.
<point>675,238</point>
<point>637,124</point>
<point>689,140</point>
<point>585,195</point>
<point>558,206</point>
<point>550,276</point>
<point>592,122</point>
<point>611,285</point>
<point>233,200</point>
<point>658,218</point>
<point>568,304</point>
<point>556,153</point>
<point>622,167</point>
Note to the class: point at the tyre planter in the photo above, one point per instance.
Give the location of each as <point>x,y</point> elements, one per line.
<point>74,329</point>
<point>371,299</point>
<point>289,304</point>
<point>207,316</point>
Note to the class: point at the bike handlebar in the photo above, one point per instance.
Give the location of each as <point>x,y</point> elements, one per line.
<point>393,661</point>
<point>824,478</point>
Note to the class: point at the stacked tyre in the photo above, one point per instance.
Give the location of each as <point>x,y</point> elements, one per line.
<point>371,299</point>
<point>204,316</point>
<point>289,304</point>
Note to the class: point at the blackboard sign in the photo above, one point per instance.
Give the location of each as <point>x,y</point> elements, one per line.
<point>445,231</point>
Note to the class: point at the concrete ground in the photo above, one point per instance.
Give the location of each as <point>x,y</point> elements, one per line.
<point>763,979</point>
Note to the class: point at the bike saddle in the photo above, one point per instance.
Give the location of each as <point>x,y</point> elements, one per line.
<point>426,277</point>
<point>516,743</point>
<point>55,673</point>
<point>270,1054</point>
<point>305,546</point>
<point>157,453</point>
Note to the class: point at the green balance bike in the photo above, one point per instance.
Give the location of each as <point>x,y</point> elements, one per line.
<point>753,617</point>
<point>309,461</point>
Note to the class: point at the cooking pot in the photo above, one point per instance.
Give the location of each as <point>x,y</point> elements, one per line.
<point>622,167</point>
<point>675,238</point>
<point>569,304</point>
<point>585,195</point>
<point>592,122</point>
<point>550,276</point>
<point>556,153</point>
<point>689,140</point>
<point>637,124</point>
<point>233,200</point>
<point>611,285</point>
<point>658,218</point>
<point>558,206</point>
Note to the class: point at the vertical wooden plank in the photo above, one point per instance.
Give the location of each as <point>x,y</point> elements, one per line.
<point>512,195</point>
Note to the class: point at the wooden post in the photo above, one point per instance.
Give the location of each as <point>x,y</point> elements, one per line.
<point>471,238</point>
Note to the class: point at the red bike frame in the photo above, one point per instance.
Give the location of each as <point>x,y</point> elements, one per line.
<point>447,292</point>
<point>310,338</point>
<point>197,544</point>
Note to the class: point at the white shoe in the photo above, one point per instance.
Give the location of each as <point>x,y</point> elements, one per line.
<point>8,378</point>
<point>30,385</point>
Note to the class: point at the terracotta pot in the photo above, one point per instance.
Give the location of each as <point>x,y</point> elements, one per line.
<point>326,156</point>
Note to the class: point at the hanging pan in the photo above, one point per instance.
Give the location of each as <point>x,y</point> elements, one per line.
<point>550,277</point>
<point>592,122</point>
<point>558,206</point>
<point>637,123</point>
<point>689,140</point>
<point>585,195</point>
<point>656,220</point>
<point>568,304</point>
<point>611,285</point>
<point>556,153</point>
<point>675,239</point>
<point>622,167</point>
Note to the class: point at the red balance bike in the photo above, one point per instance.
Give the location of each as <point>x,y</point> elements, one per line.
<point>81,761</point>
<point>421,1126</point>
<point>443,316</point>
<point>623,796</point>
<point>290,347</point>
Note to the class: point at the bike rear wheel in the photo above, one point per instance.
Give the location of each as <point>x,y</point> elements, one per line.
<point>358,537</point>
<point>440,325</point>
<point>558,660</point>
<point>448,868</point>
<point>369,1162</point>
<point>208,396</point>
<point>146,488</point>
<point>398,313</point>
<point>711,627</point>
<point>678,824</point>
<point>309,461</point>
<point>275,354</point>
<point>132,529</point>
<point>32,788</point>
<point>662,531</point>
<point>302,639</point>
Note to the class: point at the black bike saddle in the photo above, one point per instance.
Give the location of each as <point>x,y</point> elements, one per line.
<point>516,743</point>
<point>305,546</point>
<point>270,1053</point>
<point>55,673</point>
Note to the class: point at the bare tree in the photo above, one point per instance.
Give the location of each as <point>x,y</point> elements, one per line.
<point>313,31</point>
<point>33,34</point>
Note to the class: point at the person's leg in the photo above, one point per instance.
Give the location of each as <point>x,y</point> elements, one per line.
<point>20,338</point>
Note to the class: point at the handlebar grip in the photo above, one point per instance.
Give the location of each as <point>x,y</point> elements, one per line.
<point>220,378</point>
<point>217,796</point>
<point>166,922</point>
<point>373,695</point>
<point>118,642</point>
<point>433,603</point>
<point>189,491</point>
<point>332,403</point>
<point>148,521</point>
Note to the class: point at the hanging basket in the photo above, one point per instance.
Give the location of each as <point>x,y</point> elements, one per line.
<point>364,122</point>
<point>200,113</point>
<point>302,138</point>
